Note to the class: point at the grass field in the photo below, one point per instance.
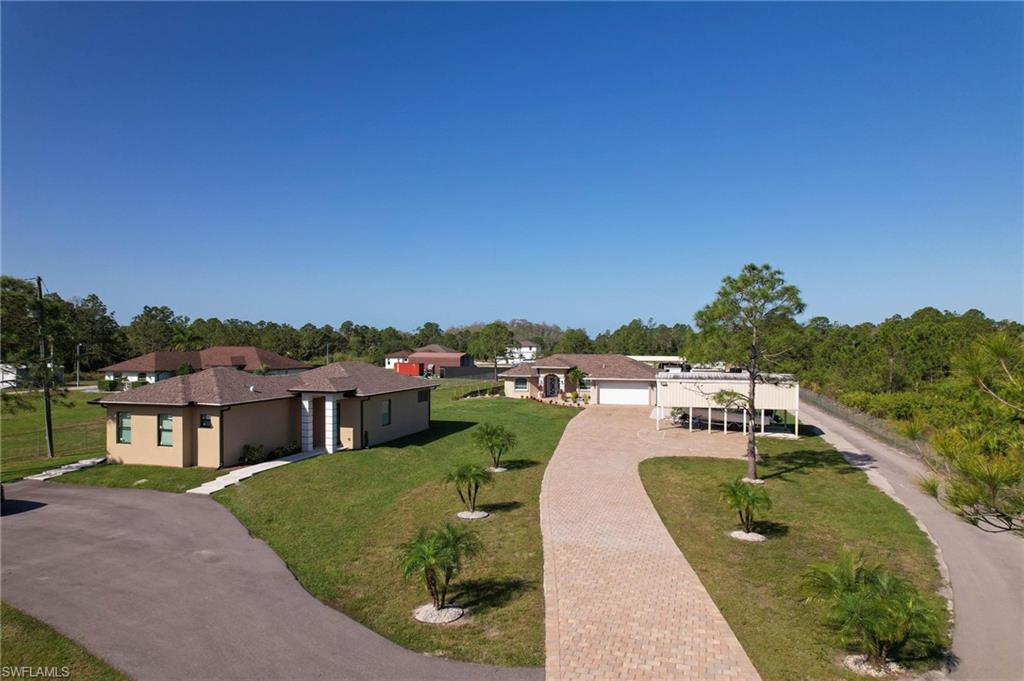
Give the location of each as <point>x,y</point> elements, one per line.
<point>27,642</point>
<point>78,432</point>
<point>338,519</point>
<point>819,505</point>
<point>161,478</point>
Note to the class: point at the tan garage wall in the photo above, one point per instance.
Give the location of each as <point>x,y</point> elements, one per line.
<point>408,416</point>
<point>144,448</point>
<point>271,424</point>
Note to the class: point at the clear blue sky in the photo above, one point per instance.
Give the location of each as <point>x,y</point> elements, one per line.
<point>393,163</point>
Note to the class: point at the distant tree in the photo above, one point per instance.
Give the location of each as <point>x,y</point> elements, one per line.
<point>575,342</point>
<point>491,342</point>
<point>184,337</point>
<point>427,334</point>
<point>153,329</point>
<point>750,324</point>
<point>496,440</point>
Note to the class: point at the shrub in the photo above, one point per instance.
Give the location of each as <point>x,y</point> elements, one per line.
<point>875,612</point>
<point>468,479</point>
<point>745,500</point>
<point>108,386</point>
<point>252,454</point>
<point>185,369</point>
<point>438,557</point>
<point>138,384</point>
<point>496,440</point>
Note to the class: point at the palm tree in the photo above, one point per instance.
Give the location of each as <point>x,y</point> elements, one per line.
<point>496,440</point>
<point>468,479</point>
<point>745,499</point>
<point>438,556</point>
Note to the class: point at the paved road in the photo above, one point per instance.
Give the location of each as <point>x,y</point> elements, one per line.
<point>621,600</point>
<point>986,570</point>
<point>172,587</point>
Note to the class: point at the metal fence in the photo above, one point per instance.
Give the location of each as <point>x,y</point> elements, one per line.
<point>873,426</point>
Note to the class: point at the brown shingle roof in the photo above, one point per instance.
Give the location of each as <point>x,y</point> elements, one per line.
<point>223,386</point>
<point>358,377</point>
<point>435,347</point>
<point>217,386</point>
<point>595,366</point>
<point>400,353</point>
<point>247,357</point>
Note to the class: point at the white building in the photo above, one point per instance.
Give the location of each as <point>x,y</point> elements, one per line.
<point>697,393</point>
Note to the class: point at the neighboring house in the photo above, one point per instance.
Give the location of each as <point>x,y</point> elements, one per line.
<point>163,364</point>
<point>522,351</point>
<point>400,357</point>
<point>12,375</point>
<point>436,359</point>
<point>671,363</point>
<point>610,379</point>
<point>206,419</point>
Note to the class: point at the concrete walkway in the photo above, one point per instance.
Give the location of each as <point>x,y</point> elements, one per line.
<point>245,472</point>
<point>986,571</point>
<point>621,600</point>
<point>170,586</point>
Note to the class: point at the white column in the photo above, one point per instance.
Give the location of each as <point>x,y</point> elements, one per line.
<point>796,422</point>
<point>725,419</point>
<point>658,409</point>
<point>307,422</point>
<point>709,419</point>
<point>745,422</point>
<point>762,421</point>
<point>330,426</point>
<point>691,419</point>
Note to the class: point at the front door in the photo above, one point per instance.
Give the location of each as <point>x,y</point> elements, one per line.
<point>550,385</point>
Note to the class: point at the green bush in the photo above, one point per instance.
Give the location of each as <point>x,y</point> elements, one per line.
<point>257,454</point>
<point>138,384</point>
<point>875,612</point>
<point>110,386</point>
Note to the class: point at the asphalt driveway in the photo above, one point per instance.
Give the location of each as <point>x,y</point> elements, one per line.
<point>986,570</point>
<point>171,587</point>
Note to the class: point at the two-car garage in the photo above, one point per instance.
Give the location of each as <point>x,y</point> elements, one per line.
<point>622,392</point>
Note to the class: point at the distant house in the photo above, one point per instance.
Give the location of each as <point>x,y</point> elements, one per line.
<point>609,379</point>
<point>670,363</point>
<point>163,364</point>
<point>400,357</point>
<point>522,351</point>
<point>12,375</point>
<point>206,419</point>
<point>437,359</point>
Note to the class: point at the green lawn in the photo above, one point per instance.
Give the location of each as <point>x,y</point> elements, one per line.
<point>819,504</point>
<point>338,519</point>
<point>163,478</point>
<point>78,432</point>
<point>27,642</point>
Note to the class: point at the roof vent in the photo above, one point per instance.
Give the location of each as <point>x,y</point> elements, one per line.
<point>252,388</point>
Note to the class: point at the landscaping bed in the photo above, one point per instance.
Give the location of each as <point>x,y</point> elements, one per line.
<point>27,642</point>
<point>338,520</point>
<point>819,505</point>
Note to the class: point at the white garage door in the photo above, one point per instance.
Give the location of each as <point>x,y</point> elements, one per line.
<point>623,392</point>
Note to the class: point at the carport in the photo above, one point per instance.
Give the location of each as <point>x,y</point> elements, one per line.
<point>695,392</point>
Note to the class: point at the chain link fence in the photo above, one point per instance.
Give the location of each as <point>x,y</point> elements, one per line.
<point>873,426</point>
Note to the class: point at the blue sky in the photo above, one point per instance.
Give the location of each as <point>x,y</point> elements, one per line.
<point>583,164</point>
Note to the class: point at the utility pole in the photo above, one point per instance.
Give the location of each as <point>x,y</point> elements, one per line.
<point>327,357</point>
<point>44,373</point>
<point>78,373</point>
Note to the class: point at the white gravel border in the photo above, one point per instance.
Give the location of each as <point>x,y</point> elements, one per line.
<point>474,515</point>
<point>428,614</point>
<point>747,536</point>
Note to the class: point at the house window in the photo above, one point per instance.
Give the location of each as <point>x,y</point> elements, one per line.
<point>124,428</point>
<point>205,421</point>
<point>142,376</point>
<point>164,430</point>
<point>385,413</point>
<point>423,396</point>
<point>584,383</point>
<point>522,385</point>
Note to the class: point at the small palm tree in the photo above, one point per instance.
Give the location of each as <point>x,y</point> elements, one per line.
<point>438,557</point>
<point>496,440</point>
<point>468,479</point>
<point>745,499</point>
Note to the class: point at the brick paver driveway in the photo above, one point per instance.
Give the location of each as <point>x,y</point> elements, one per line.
<point>621,600</point>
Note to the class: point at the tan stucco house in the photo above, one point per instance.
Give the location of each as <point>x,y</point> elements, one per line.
<point>205,419</point>
<point>609,379</point>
